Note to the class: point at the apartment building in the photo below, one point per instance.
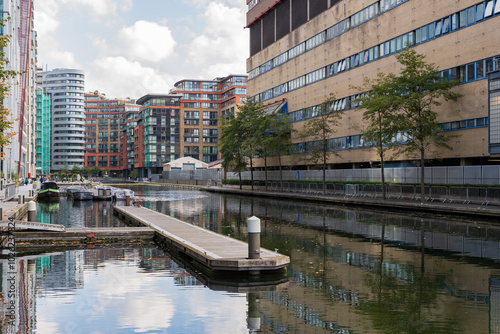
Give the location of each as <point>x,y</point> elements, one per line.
<point>104,122</point>
<point>303,50</point>
<point>43,131</point>
<point>21,56</point>
<point>127,142</point>
<point>66,87</point>
<point>157,133</point>
<point>203,104</point>
<point>183,123</point>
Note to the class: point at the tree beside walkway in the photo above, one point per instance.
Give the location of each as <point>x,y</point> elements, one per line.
<point>317,131</point>
<point>400,110</point>
<point>231,145</point>
<point>377,102</point>
<point>254,132</point>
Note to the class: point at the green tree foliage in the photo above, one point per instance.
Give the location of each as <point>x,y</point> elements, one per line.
<point>86,171</point>
<point>134,173</point>
<point>252,124</point>
<point>378,104</point>
<point>96,171</point>
<point>76,170</point>
<point>411,98</point>
<point>253,132</point>
<point>6,77</point>
<point>276,139</point>
<point>316,133</point>
<point>231,145</point>
<point>65,170</point>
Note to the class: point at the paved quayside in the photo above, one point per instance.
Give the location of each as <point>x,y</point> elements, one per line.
<point>211,249</point>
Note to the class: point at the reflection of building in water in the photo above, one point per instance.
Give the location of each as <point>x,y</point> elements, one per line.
<point>190,207</point>
<point>18,296</point>
<point>65,271</point>
<point>45,212</point>
<point>155,259</point>
<point>149,258</point>
<point>181,277</point>
<point>469,239</point>
<point>338,281</point>
<point>494,305</point>
<point>94,257</point>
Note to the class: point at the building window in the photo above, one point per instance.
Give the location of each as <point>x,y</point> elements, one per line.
<point>103,161</point>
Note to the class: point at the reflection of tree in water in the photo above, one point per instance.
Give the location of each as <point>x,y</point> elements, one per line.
<point>49,207</point>
<point>45,214</point>
<point>404,301</point>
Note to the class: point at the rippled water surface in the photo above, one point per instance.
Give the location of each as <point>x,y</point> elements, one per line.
<point>351,271</point>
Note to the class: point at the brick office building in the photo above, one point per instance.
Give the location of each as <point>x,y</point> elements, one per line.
<point>302,51</point>
<point>104,121</point>
<point>203,104</point>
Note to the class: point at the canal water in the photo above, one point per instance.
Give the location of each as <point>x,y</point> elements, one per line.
<point>352,271</point>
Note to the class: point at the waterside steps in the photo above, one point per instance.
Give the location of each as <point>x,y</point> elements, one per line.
<point>212,250</point>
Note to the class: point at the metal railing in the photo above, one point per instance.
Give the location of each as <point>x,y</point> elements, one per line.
<point>450,194</point>
<point>478,175</point>
<point>10,191</point>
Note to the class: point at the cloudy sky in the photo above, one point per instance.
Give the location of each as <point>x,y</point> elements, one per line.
<point>129,48</point>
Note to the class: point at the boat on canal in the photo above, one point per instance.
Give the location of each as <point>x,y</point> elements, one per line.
<point>49,192</point>
<point>80,193</point>
<point>120,194</point>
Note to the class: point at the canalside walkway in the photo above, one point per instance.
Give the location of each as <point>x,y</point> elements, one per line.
<point>476,210</point>
<point>213,250</point>
<point>12,209</point>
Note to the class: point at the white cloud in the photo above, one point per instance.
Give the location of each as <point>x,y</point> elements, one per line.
<point>46,327</point>
<point>157,311</point>
<point>119,77</point>
<point>101,7</point>
<point>208,304</point>
<point>63,59</point>
<point>101,44</point>
<point>123,59</point>
<point>224,44</point>
<point>148,41</point>
<point>45,23</point>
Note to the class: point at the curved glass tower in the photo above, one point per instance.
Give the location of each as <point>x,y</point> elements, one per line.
<point>68,119</point>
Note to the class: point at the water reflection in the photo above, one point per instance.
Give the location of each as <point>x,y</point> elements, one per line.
<point>365,271</point>
<point>78,214</point>
<point>351,271</point>
<point>122,291</point>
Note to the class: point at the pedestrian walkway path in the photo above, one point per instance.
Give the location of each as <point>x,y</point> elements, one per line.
<point>12,208</point>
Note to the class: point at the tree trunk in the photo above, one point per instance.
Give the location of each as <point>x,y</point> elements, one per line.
<point>324,172</point>
<point>239,175</point>
<point>265,172</point>
<point>382,165</point>
<point>251,172</point>
<point>422,175</point>
<point>279,162</point>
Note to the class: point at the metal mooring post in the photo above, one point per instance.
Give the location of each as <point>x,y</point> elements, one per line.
<point>253,238</point>
<point>31,211</point>
<point>20,199</point>
<point>127,198</point>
